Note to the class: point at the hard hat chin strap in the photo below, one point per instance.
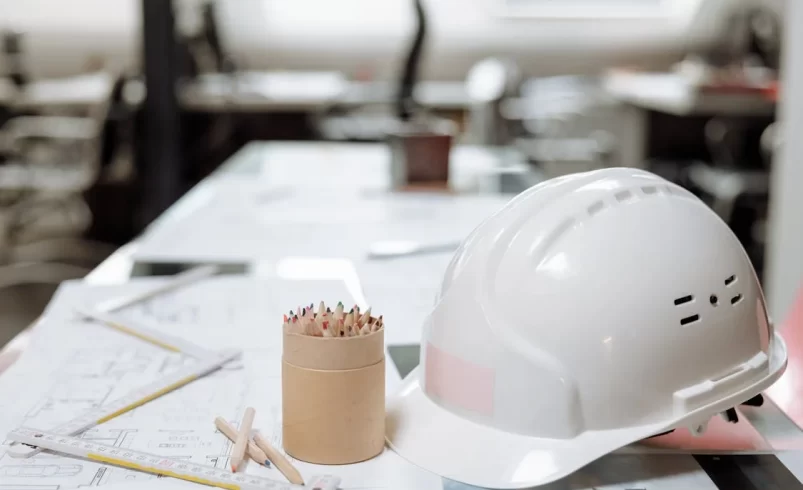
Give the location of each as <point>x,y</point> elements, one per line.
<point>699,430</point>
<point>730,415</point>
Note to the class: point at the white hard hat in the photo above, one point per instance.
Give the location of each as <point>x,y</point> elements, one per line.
<point>592,311</point>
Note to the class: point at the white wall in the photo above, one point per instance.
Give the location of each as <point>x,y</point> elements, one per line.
<point>311,34</point>
<point>62,37</point>
<point>785,251</point>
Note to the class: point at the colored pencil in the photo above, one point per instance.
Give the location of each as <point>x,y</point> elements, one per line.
<point>278,460</point>
<point>238,453</point>
<point>231,434</point>
<point>326,322</point>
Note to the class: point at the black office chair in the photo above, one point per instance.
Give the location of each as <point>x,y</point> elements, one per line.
<point>736,183</point>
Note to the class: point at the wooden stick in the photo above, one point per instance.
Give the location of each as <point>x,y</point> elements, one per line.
<point>278,460</point>
<point>365,317</point>
<point>238,453</point>
<point>231,434</point>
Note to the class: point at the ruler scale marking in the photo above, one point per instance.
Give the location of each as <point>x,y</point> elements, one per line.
<point>133,399</point>
<point>147,334</point>
<point>154,464</point>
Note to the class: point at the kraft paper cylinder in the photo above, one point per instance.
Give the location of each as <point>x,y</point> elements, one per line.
<point>333,398</point>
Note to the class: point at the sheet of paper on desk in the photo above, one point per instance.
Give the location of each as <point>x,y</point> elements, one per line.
<point>72,366</point>
<point>157,484</point>
<point>404,290</point>
<point>245,222</point>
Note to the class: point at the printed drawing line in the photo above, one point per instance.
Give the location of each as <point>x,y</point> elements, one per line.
<point>15,486</point>
<point>88,379</point>
<point>40,471</point>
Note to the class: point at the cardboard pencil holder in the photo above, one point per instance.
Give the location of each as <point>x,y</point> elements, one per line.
<point>333,397</point>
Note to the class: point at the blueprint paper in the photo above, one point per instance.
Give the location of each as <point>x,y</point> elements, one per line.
<point>157,484</point>
<point>72,366</point>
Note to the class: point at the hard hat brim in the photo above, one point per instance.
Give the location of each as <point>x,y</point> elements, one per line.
<point>431,437</point>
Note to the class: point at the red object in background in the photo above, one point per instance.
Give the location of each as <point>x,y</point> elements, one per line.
<point>772,91</point>
<point>787,392</point>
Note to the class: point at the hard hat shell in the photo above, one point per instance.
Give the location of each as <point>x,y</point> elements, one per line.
<point>591,311</point>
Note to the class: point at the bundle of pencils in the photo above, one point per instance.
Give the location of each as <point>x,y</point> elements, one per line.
<point>254,446</point>
<point>328,323</point>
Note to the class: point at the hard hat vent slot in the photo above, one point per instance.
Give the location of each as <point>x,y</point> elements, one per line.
<point>730,280</point>
<point>623,196</point>
<point>689,319</point>
<point>649,189</point>
<point>683,300</point>
<point>596,208</point>
<point>736,299</point>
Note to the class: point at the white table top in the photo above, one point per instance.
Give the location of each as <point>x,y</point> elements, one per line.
<point>336,176</point>
<point>409,280</point>
<point>674,94</point>
<point>306,91</point>
<point>71,93</point>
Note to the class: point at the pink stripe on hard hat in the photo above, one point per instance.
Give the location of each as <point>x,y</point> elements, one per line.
<point>457,382</point>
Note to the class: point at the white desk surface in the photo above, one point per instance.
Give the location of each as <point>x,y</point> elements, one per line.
<point>247,91</point>
<point>412,280</point>
<point>262,91</point>
<point>264,175</point>
<point>674,94</point>
<point>72,93</point>
<point>657,472</point>
<point>305,91</point>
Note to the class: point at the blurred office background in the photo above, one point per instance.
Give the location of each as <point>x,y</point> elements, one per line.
<point>111,110</point>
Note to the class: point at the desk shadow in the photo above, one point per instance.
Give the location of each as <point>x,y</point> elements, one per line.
<point>624,472</point>
<point>404,357</point>
<point>151,269</point>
